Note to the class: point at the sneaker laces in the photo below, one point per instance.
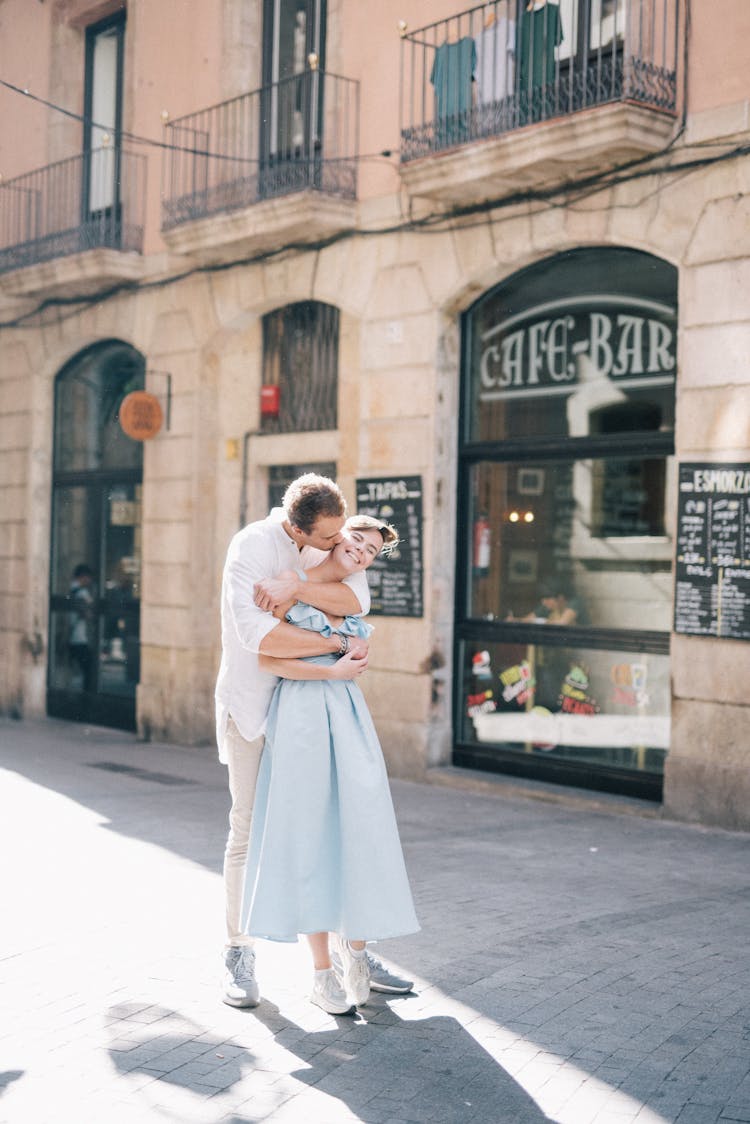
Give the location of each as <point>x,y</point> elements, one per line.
<point>245,963</point>
<point>373,962</point>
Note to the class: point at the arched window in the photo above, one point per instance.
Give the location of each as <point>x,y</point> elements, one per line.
<point>300,357</point>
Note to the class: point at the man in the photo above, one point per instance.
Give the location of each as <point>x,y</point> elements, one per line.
<point>293,536</point>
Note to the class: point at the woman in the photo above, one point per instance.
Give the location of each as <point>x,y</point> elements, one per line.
<point>324,855</point>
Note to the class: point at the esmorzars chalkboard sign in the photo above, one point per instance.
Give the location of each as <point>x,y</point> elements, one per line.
<point>396,582</point>
<point>712,572</point>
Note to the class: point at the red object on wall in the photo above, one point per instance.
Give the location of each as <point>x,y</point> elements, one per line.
<point>270,401</point>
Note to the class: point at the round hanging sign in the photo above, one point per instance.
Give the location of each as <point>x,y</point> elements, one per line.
<point>140,415</point>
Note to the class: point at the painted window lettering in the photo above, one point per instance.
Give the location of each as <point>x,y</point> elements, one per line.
<point>546,353</point>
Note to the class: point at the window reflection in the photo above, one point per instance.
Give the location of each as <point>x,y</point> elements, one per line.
<point>590,532</point>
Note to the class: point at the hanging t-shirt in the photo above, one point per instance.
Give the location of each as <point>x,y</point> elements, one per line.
<point>539,34</point>
<point>452,74</point>
<point>496,46</point>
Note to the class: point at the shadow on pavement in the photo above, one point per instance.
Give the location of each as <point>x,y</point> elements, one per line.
<point>430,1067</point>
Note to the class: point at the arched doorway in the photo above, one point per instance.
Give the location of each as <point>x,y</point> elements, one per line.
<point>95,571</point>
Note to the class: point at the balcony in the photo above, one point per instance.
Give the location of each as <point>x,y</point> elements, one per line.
<point>508,96</point>
<point>75,226</point>
<point>265,169</point>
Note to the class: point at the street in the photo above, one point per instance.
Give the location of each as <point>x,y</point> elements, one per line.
<point>581,962</point>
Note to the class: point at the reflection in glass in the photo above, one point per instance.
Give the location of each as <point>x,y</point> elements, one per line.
<point>88,395</point>
<point>584,535</point>
<point>605,707</point>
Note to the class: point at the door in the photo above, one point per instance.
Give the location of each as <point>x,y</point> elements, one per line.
<point>94,647</point>
<point>292,96</point>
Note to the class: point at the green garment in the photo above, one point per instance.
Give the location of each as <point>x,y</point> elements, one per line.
<point>452,75</point>
<point>539,33</point>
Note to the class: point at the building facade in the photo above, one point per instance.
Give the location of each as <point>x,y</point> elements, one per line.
<point>488,266</point>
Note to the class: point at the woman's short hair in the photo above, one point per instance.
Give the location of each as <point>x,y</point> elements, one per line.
<point>369,523</point>
<point>310,496</point>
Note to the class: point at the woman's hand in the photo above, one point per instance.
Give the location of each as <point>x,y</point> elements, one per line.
<point>348,667</point>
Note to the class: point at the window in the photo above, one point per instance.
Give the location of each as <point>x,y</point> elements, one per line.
<point>300,357</point>
<point>566,486</point>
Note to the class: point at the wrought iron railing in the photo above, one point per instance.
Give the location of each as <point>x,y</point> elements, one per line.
<point>94,200</point>
<point>301,133</point>
<point>509,63</point>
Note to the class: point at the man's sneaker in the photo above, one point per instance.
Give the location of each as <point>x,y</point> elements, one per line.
<point>383,980</point>
<point>328,993</point>
<point>354,971</point>
<point>240,987</point>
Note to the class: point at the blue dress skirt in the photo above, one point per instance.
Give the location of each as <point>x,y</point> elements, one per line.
<point>324,851</point>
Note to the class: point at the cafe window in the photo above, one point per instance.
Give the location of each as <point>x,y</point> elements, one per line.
<point>566,479</point>
<point>300,358</point>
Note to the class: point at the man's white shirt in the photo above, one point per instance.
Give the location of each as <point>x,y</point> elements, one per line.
<point>260,550</point>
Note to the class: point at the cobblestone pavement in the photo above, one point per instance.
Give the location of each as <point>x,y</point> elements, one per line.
<point>576,964</point>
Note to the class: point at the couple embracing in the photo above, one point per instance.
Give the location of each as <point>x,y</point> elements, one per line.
<point>313,846</point>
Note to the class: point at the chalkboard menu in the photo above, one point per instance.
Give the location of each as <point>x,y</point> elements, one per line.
<point>396,581</point>
<point>712,573</point>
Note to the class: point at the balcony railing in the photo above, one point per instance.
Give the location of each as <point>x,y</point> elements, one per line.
<point>84,203</point>
<point>505,64</point>
<point>298,134</point>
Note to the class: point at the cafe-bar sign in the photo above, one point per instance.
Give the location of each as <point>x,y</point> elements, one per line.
<point>557,345</point>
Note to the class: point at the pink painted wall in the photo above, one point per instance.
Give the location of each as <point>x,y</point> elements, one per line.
<point>25,62</point>
<point>176,60</point>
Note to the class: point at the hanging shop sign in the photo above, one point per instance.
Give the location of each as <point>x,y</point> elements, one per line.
<point>396,582</point>
<point>140,415</point>
<point>556,346</point>
<point>712,571</point>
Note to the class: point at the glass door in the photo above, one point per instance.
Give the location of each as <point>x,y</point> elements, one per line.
<point>102,146</point>
<point>291,104</point>
<point>95,572</point>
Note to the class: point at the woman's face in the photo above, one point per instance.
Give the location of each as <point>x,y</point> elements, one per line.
<point>358,548</point>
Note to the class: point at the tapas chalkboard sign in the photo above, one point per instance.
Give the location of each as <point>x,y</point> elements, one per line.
<point>712,572</point>
<point>396,581</point>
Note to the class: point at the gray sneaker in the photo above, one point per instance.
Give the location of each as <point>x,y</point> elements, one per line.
<point>240,987</point>
<point>383,980</point>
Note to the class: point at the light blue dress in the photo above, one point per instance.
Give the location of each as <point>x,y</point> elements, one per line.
<point>324,851</point>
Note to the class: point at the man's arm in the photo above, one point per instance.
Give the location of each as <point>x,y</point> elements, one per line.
<point>338,599</point>
<point>257,630</point>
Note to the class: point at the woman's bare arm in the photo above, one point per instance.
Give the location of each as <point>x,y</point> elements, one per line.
<point>347,667</point>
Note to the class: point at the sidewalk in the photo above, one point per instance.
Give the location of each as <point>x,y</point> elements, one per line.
<point>575,965</point>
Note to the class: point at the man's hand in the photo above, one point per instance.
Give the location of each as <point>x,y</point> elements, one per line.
<point>272,592</point>
<point>349,666</point>
<point>359,649</point>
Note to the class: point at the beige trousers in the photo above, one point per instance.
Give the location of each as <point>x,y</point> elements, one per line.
<point>243,759</point>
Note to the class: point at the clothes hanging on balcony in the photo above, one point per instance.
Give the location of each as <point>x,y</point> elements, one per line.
<point>539,35</point>
<point>495,70</point>
<point>452,77</point>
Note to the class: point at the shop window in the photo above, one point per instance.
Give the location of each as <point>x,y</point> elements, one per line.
<point>300,357</point>
<point>567,486</point>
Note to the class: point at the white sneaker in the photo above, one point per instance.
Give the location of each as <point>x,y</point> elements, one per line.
<point>328,994</point>
<point>240,987</point>
<point>355,971</point>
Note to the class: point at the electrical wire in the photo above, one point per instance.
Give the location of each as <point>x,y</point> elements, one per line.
<point>136,138</point>
<point>434,222</point>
